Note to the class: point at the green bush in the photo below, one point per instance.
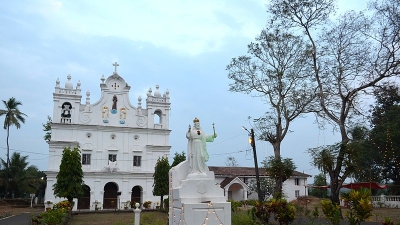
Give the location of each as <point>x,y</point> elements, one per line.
<point>249,202</point>
<point>235,205</point>
<point>331,211</point>
<point>241,218</point>
<point>51,217</point>
<point>166,203</point>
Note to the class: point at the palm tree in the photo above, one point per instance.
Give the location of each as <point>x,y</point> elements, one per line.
<point>22,179</point>
<point>13,118</point>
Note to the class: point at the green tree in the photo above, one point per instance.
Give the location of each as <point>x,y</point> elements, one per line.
<point>178,158</point>
<point>13,117</point>
<point>161,181</point>
<point>383,154</point>
<point>47,129</point>
<point>69,182</point>
<point>279,169</point>
<point>348,58</point>
<point>22,179</point>
<point>319,180</point>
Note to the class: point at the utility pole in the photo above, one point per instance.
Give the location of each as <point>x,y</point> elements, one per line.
<point>252,141</point>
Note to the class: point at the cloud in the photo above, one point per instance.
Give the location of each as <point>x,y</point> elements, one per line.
<point>190,27</point>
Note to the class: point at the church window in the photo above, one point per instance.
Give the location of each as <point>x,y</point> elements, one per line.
<point>113,136</point>
<point>136,137</point>
<point>112,157</point>
<point>157,117</point>
<point>137,160</point>
<point>86,159</point>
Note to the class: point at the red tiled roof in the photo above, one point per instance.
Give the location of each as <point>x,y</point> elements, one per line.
<point>245,171</point>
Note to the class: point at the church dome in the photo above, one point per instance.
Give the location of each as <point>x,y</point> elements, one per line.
<point>68,84</point>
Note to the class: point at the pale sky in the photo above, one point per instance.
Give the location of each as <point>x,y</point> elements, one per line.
<point>183,46</point>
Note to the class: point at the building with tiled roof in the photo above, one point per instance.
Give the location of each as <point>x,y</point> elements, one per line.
<point>235,182</point>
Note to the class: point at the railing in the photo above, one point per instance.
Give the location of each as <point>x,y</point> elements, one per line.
<point>386,201</point>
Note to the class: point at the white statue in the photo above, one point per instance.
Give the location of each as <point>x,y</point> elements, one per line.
<point>197,151</point>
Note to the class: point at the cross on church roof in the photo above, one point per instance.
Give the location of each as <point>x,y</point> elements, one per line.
<point>115,64</point>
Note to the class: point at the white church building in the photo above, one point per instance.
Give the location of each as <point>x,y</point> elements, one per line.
<point>120,143</point>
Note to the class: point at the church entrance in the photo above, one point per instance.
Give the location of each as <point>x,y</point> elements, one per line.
<point>110,196</point>
<point>136,195</point>
<point>84,201</point>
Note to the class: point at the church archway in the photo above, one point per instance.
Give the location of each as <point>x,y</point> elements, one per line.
<point>110,196</point>
<point>136,195</point>
<point>84,201</point>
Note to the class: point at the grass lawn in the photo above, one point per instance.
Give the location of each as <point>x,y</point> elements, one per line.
<point>120,218</point>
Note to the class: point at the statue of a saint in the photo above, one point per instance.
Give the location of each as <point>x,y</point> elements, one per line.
<point>115,100</point>
<point>197,151</point>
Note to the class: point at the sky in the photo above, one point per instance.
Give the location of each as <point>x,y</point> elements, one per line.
<point>182,46</point>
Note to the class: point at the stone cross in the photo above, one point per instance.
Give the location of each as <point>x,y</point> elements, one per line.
<point>115,65</point>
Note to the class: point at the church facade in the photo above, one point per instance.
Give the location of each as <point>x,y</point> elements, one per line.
<point>119,142</point>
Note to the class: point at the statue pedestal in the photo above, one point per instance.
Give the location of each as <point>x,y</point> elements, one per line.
<point>196,198</point>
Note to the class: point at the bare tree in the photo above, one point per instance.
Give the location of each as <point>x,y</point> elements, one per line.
<point>348,58</point>
<point>275,70</point>
<point>231,161</point>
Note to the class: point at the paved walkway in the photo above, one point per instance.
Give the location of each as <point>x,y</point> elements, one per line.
<point>21,219</point>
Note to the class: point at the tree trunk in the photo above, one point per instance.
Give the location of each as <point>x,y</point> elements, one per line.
<point>162,202</point>
<point>8,161</point>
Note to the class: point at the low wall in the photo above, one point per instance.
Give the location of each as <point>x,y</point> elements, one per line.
<point>386,201</point>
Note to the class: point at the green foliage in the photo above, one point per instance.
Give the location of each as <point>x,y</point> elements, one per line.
<point>260,213</point>
<point>178,158</point>
<point>13,117</point>
<point>161,181</point>
<point>283,211</point>
<point>319,180</point>
<point>22,179</point>
<point>69,182</point>
<point>360,206</point>
<point>279,169</point>
<point>51,217</point>
<point>235,205</point>
<point>331,211</point>
<point>47,129</point>
<point>63,205</point>
<point>387,221</point>
<point>241,218</point>
<point>251,202</point>
<point>166,203</point>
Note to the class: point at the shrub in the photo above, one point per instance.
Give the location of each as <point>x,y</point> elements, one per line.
<point>147,204</point>
<point>166,203</point>
<point>63,205</point>
<point>235,205</point>
<point>51,217</point>
<point>331,211</point>
<point>360,206</point>
<point>241,218</point>
<point>250,202</point>
<point>284,211</point>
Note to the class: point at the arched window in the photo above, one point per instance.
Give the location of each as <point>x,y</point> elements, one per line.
<point>157,117</point>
